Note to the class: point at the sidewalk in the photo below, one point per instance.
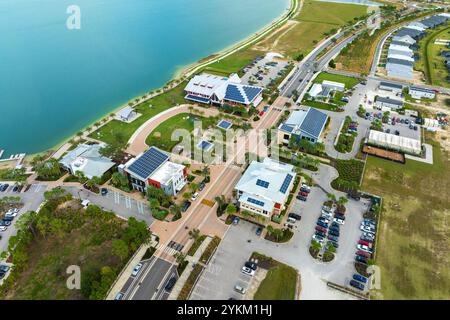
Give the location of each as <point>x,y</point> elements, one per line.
<point>124,275</point>
<point>185,275</point>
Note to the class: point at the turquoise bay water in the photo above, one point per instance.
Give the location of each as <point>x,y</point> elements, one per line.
<point>55,81</point>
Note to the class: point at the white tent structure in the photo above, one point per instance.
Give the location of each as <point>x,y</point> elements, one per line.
<point>394,142</point>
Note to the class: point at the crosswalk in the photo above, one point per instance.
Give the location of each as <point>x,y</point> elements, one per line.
<point>170,249</point>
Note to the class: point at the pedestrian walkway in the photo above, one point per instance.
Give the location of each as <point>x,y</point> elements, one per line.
<point>192,262</point>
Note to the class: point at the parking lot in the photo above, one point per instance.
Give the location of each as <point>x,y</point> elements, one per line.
<point>121,204</point>
<point>224,271</point>
<point>263,71</point>
<point>31,200</point>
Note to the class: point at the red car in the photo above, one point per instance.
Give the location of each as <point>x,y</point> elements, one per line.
<point>302,193</point>
<point>321,229</point>
<point>363,254</point>
<point>261,113</point>
<point>365,243</point>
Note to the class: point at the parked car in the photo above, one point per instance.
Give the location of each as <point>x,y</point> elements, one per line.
<point>4,187</point>
<point>334,232</point>
<point>357,285</point>
<point>368,235</point>
<point>322,224</point>
<point>185,206</point>
<point>3,228</point>
<point>339,216</point>
<point>302,193</point>
<point>259,231</point>
<point>251,265</point>
<point>339,221</point>
<point>361,259</point>
<point>318,228</point>
<point>201,186</point>
<point>359,278</point>
<point>295,216</point>
<point>119,296</point>
<point>240,289</point>
<point>367,229</point>
<point>4,268</point>
<point>333,238</point>
<point>365,243</point>
<point>136,269</point>
<point>364,248</point>
<point>248,271</point>
<point>324,220</point>
<point>317,238</point>
<point>321,234</point>
<point>5,223</point>
<point>194,196</point>
<point>305,188</point>
<point>327,215</point>
<point>8,218</point>
<point>363,254</point>
<point>334,227</point>
<point>236,220</point>
<point>170,284</point>
<point>302,198</point>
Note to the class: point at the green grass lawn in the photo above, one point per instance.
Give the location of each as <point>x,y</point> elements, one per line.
<point>431,62</point>
<point>148,109</point>
<point>349,82</point>
<point>315,21</point>
<point>161,136</point>
<point>413,244</point>
<point>320,105</point>
<point>279,284</point>
<point>330,13</point>
<point>234,63</point>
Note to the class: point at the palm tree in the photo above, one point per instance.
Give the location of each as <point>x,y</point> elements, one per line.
<point>342,200</point>
<point>331,197</point>
<point>194,234</point>
<point>93,182</point>
<point>270,229</point>
<point>316,245</point>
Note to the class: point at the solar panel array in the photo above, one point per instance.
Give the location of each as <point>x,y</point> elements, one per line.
<point>234,94</point>
<point>257,202</point>
<point>287,128</point>
<point>197,98</point>
<point>262,183</point>
<point>224,124</point>
<point>286,183</point>
<point>251,92</point>
<point>148,163</point>
<point>313,122</point>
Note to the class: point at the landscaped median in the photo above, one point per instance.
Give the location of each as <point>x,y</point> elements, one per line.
<point>281,281</point>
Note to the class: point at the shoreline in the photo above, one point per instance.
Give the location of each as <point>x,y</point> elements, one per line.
<point>184,70</point>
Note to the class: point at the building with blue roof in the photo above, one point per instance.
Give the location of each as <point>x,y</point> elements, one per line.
<point>153,168</point>
<point>216,90</point>
<point>303,124</point>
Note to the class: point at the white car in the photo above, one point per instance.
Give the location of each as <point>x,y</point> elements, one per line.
<point>194,196</point>
<point>369,235</point>
<point>327,209</point>
<point>240,289</point>
<point>85,203</point>
<point>2,228</point>
<point>339,221</point>
<point>364,248</point>
<point>136,269</point>
<point>248,271</point>
<point>11,214</point>
<point>327,214</point>
<point>366,229</point>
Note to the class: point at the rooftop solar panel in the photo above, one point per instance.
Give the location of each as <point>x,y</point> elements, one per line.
<point>197,98</point>
<point>286,183</point>
<point>257,202</point>
<point>262,183</point>
<point>314,122</point>
<point>287,128</point>
<point>145,165</point>
<point>233,94</point>
<point>251,92</point>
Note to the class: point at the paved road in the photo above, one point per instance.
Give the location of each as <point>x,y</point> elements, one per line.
<point>31,199</point>
<point>143,287</point>
<point>119,203</point>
